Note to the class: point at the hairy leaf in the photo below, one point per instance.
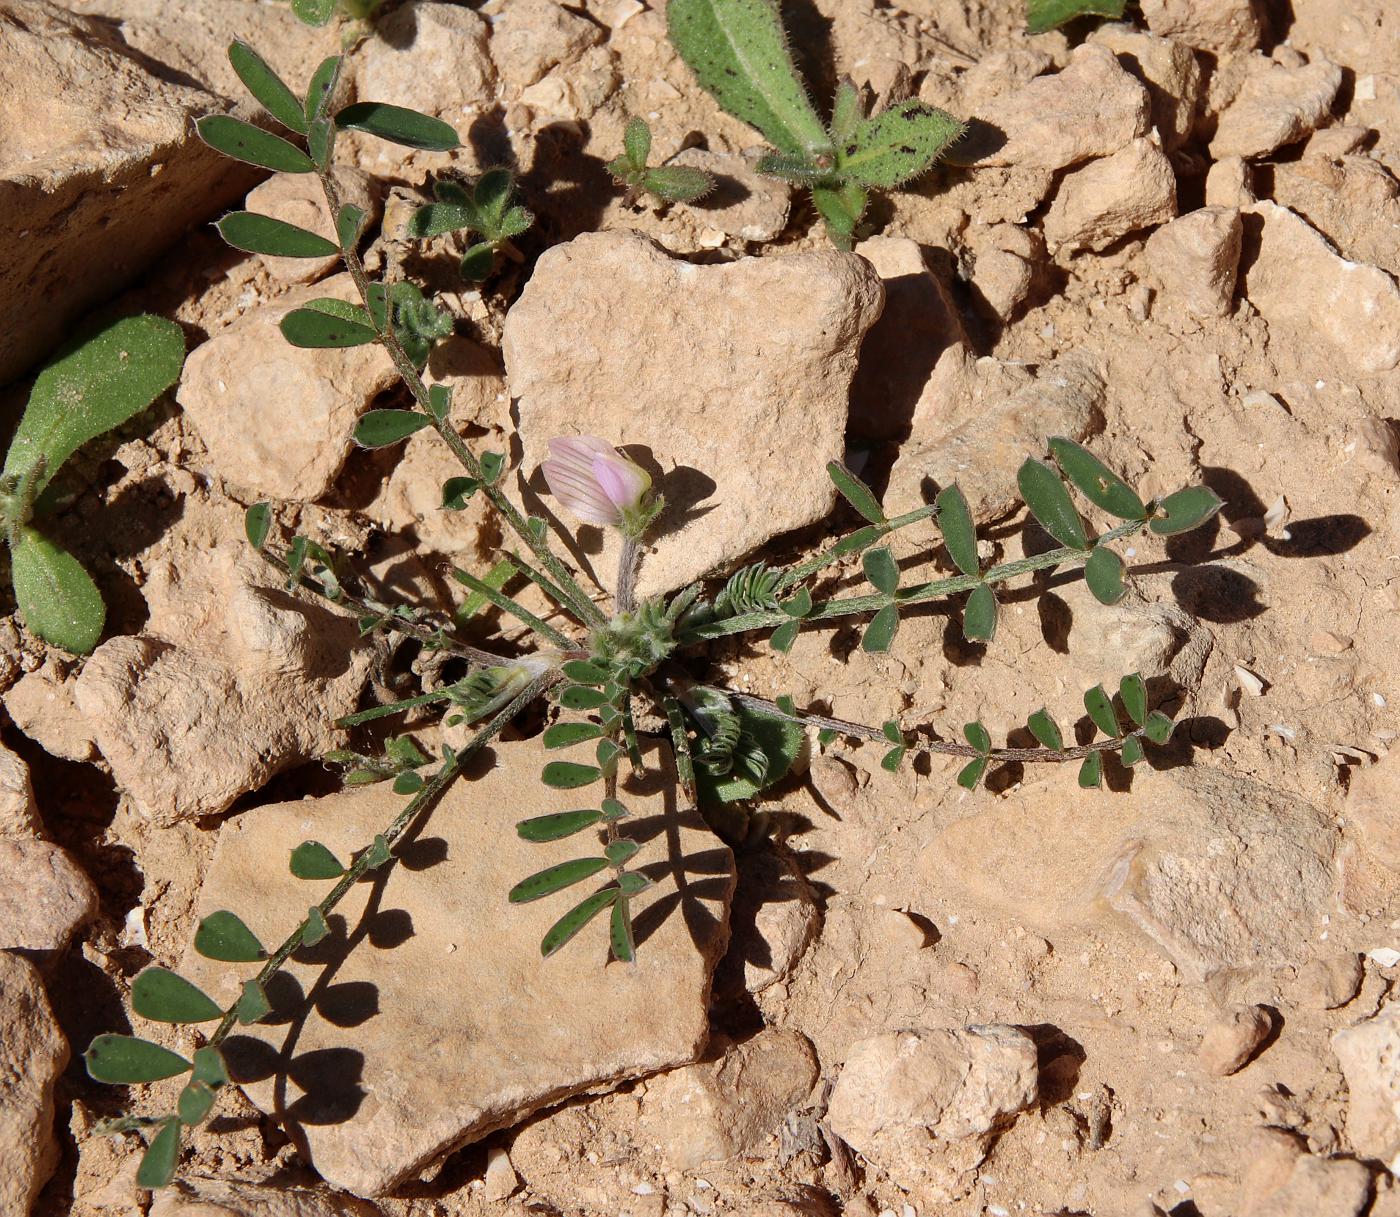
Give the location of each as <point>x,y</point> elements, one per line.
<point>980,614</point>
<point>259,234</point>
<point>959,534</point>
<point>879,634</point>
<point>972,772</point>
<point>162,995</point>
<point>399,126</point>
<point>624,947</point>
<point>882,571</point>
<point>328,323</point>
<point>478,262</point>
<point>898,144</point>
<point>434,219</point>
<point>555,878</point>
<point>323,82</point>
<point>126,1059</point>
<point>846,112</point>
<point>856,492</point>
<point>841,208</point>
<point>1133,690</point>
<point>312,860</point>
<point>766,750</point>
<point>270,89</point>
<point>1096,481</point>
<point>1050,503</point>
<point>1045,730</point>
<point>57,598</point>
<point>1045,15</point>
<point>380,428</point>
<point>569,775</point>
<point>158,1162</point>
<point>1103,572</point>
<point>636,143</point>
<point>1100,707</point>
<point>252,145</point>
<point>678,183</point>
<point>575,919</point>
<point>1091,771</point>
<point>194,1103</point>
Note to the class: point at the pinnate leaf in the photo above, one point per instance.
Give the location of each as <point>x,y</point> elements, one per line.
<point>1133,690</point>
<point>976,735</point>
<point>312,860</point>
<point>971,773</point>
<point>257,521</point>
<point>879,634</point>
<point>558,825</point>
<point>125,1059</point>
<point>313,12</point>
<point>1100,708</point>
<point>381,428</point>
<point>980,615</point>
<point>252,145</point>
<point>253,1005</point>
<point>1096,481</point>
<point>959,534</point>
<point>209,1066</point>
<point>569,775</point>
<point>322,87</point>
<point>1050,503</point>
<point>399,126</point>
<point>1158,727</point>
<point>1091,771</point>
<point>555,878</point>
<point>259,234</point>
<point>222,935</point>
<point>194,1103</point>
<point>624,947</point>
<point>1046,730</point>
<point>575,919</point>
<point>270,89</point>
<point>1131,752</point>
<point>1103,572</point>
<point>161,995</point>
<point>158,1162</point>
<point>856,492</point>
<point>1185,510</point>
<point>565,735</point>
<point>328,323</point>
<point>1045,15</point>
<point>881,570</point>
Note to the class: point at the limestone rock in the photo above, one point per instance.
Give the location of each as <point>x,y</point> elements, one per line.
<point>277,419</point>
<point>1353,201</point>
<point>44,898</point>
<point>1331,980</point>
<point>1004,268</point>
<point>728,383</point>
<point>19,815</point>
<point>33,1053</point>
<point>1196,260</point>
<point>1167,69</point>
<point>1373,805</point>
<point>461,1028</point>
<point>500,1179</point>
<point>775,918</point>
<point>1275,107</point>
<point>224,1198</point>
<point>234,680</point>
<point>1297,281</point>
<point>1231,1041</point>
<point>431,57</point>
<point>297,198</point>
<point>1229,184</point>
<point>1284,1180</point>
<point>529,37</point>
<point>903,1096</point>
<point>744,203</point>
<point>1092,108</point>
<point>1369,1054</point>
<point>100,170</point>
<point>979,435</point>
<point>1221,27</point>
<point>730,1105</point>
<point>1107,199</point>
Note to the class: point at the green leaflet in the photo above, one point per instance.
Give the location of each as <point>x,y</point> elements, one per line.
<point>1045,15</point>
<point>57,598</point>
<point>898,144</point>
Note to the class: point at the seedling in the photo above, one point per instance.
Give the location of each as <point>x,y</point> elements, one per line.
<point>94,386</point>
<point>739,53</point>
<point>487,209</point>
<point>669,183</point>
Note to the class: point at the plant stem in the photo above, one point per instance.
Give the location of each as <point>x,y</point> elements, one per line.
<point>579,602</point>
<point>795,574</point>
<point>625,595</point>
<point>508,605</point>
<point>847,606</point>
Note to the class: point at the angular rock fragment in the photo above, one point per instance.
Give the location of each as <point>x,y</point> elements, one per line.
<point>1232,1040</point>
<point>1373,805</point>
<point>44,899</point>
<point>19,816</point>
<point>1169,71</point>
<point>1221,27</point>
<point>431,57</point>
<point>1353,201</point>
<point>223,1198</point>
<point>278,419</point>
<point>431,1019</point>
<point>33,1053</point>
<point>732,1104</point>
<point>1284,1180</point>
<point>1004,270</point>
<point>528,37</point>
<point>1297,281</point>
<point>728,383</point>
<point>1369,1054</point>
<point>744,203</point>
<point>1107,199</point>
<point>1196,260</point>
<point>1276,107</point>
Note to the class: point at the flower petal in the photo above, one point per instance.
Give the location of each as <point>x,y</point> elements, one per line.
<point>623,482</point>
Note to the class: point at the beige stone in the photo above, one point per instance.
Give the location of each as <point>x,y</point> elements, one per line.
<point>1196,260</point>
<point>729,1105</point>
<point>1276,107</point>
<point>1369,1053</point>
<point>460,1027</point>
<point>1353,201</point>
<point>1332,980</point>
<point>775,919</point>
<point>528,37</point>
<point>41,704</point>
<point>212,700</point>
<point>1373,805</point>
<point>44,897</point>
<point>33,1053</point>
<point>1107,199</point>
<point>705,374</point>
<point>431,57</point>
<point>744,204</point>
<point>1092,108</point>
<point>1167,69</point>
<point>100,170</point>
<point>225,1198</point>
<point>1218,26</point>
<point>297,198</point>
<point>1299,283</point>
<point>1003,271</point>
<point>278,419</point>
<point>1229,183</point>
<point>19,814</point>
<point>1232,1040</point>
<point>500,1180</point>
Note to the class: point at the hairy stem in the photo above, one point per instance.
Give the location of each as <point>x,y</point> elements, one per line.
<point>628,561</point>
<point>834,553</point>
<point>508,605</point>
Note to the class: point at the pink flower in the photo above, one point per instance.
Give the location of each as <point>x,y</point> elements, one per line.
<point>595,482</point>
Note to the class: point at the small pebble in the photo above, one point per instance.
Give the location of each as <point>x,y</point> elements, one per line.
<point>1331,981</point>
<point>1229,1043</point>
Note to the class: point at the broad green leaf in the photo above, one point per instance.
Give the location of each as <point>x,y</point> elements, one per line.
<point>269,88</point>
<point>624,947</point>
<point>439,401</point>
<point>555,878</point>
<point>565,735</point>
<point>879,634</point>
<point>892,732</point>
<point>209,1066</point>
<point>892,759</point>
<point>1103,572</point>
<point>575,919</point>
<point>349,224</point>
<point>738,51</point>
<point>769,746</point>
<point>257,521</point>
<point>678,183</point>
<point>313,12</point>
<point>569,775</point>
<point>633,882</point>
<point>621,851</point>
<point>1131,752</point>
<point>93,385</point>
<point>1050,503</point>
<point>399,126</point>
<point>328,323</point>
<point>898,144</point>
<point>1100,707</point>
<point>558,825</point>
<point>636,143</point>
<point>162,995</point>
<point>976,735</point>
<point>380,428</point>
<point>194,1103</point>
<point>252,145</point>
<point>259,234</point>
<point>312,860</point>
<point>491,194</point>
<point>408,783</point>
<point>315,928</point>
<point>582,697</point>
<point>613,810</point>
<point>457,493</point>
<point>959,534</point>
<point>1045,15</point>
<point>158,1162</point>
<point>223,935</point>
<point>1158,727</point>
<point>1091,771</point>
<point>1096,481</point>
<point>798,605</point>
<point>125,1059</point>
<point>1133,690</point>
<point>980,615</point>
<point>434,219</point>
<point>478,262</point>
<point>856,492</point>
<point>253,1005</point>
<point>1046,730</point>
<point>57,598</point>
<point>607,753</point>
<point>784,636</point>
<point>972,772</point>
<point>841,208</point>
<point>323,83</point>
<point>492,464</point>
<point>1185,510</point>
<point>881,569</point>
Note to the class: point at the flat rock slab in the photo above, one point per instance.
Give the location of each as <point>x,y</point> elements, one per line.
<point>728,383</point>
<point>33,1053</point>
<point>443,1023</point>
